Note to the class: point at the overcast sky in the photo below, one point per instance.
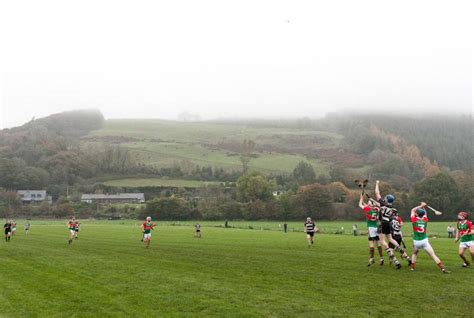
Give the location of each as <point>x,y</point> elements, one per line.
<point>156,59</point>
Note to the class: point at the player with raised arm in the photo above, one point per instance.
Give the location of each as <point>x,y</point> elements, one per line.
<point>465,233</point>
<point>309,229</point>
<point>386,213</point>
<point>71,225</point>
<point>371,215</point>
<point>147,226</point>
<point>419,220</point>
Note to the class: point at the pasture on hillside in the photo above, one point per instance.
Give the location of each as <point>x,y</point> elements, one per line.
<point>158,182</point>
<point>229,272</point>
<point>167,143</point>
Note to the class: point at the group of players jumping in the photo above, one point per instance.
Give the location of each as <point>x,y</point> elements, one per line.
<point>384,226</point>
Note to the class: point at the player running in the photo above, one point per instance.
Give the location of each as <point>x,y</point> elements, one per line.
<point>465,233</point>
<point>72,229</point>
<point>27,228</point>
<point>371,214</point>
<point>386,213</point>
<point>419,221</point>
<point>7,227</point>
<point>13,222</point>
<point>76,229</point>
<point>197,230</point>
<point>147,226</point>
<point>309,229</point>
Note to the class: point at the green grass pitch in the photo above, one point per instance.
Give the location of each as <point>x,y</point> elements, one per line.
<point>229,272</point>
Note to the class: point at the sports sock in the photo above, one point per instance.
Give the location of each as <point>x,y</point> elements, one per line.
<point>413,265</point>
<point>389,252</point>
<point>379,248</point>
<point>441,266</point>
<point>372,252</point>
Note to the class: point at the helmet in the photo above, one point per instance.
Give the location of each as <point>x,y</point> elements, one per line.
<point>148,218</point>
<point>420,212</point>
<point>308,219</point>
<point>462,216</point>
<point>389,198</point>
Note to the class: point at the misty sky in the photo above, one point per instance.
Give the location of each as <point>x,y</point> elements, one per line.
<point>156,59</point>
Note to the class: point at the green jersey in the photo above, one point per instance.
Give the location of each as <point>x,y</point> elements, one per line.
<point>419,227</point>
<point>147,227</point>
<point>463,228</point>
<point>371,216</point>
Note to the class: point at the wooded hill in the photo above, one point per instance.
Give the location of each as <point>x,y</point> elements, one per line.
<point>83,151</point>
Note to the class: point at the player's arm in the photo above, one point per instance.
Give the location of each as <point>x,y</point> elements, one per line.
<point>458,237</point>
<point>470,229</point>
<point>413,211</point>
<point>377,191</point>
<point>361,202</point>
<point>468,232</point>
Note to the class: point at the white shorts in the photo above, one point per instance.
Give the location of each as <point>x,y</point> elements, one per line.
<point>73,232</point>
<point>372,231</point>
<point>147,236</point>
<point>421,245</point>
<point>466,244</point>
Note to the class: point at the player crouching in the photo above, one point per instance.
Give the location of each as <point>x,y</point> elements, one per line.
<point>147,226</point>
<point>419,221</point>
<point>465,233</point>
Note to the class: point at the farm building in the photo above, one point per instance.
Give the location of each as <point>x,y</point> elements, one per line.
<point>114,198</point>
<point>34,196</point>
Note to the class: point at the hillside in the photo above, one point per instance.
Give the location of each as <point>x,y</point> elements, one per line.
<point>198,167</point>
<point>166,144</point>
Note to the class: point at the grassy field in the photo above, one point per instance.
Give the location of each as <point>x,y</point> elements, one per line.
<point>211,133</point>
<point>169,154</point>
<point>156,182</point>
<point>229,272</point>
<point>167,143</point>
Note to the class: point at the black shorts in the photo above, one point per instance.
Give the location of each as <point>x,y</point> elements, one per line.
<point>397,238</point>
<point>310,233</point>
<point>77,230</point>
<point>386,228</point>
<point>377,238</point>
<point>7,232</point>
<point>197,231</point>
